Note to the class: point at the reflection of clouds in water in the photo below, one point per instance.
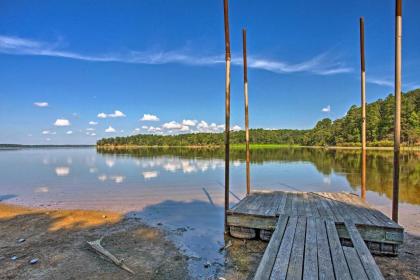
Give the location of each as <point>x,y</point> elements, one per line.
<point>236,163</point>
<point>62,171</point>
<point>150,174</point>
<point>327,180</point>
<point>189,166</point>
<point>117,179</point>
<point>102,177</point>
<point>93,170</point>
<point>110,162</point>
<point>41,190</point>
<point>69,160</point>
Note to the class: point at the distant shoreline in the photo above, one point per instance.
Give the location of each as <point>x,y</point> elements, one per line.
<point>256,146</point>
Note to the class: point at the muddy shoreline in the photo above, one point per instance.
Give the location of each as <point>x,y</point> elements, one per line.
<point>58,239</point>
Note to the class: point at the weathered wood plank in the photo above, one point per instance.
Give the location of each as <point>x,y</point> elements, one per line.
<point>341,269</point>
<point>356,268</point>
<point>326,270</point>
<point>310,266</point>
<point>269,257</point>
<point>295,269</point>
<point>282,204</point>
<point>281,264</point>
<point>367,260</point>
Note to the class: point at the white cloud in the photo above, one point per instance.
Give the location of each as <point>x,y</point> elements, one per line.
<point>189,122</point>
<point>185,128</point>
<point>48,132</point>
<point>322,64</point>
<point>145,127</point>
<point>48,139</point>
<point>202,125</point>
<point>90,129</point>
<point>69,132</point>
<point>326,109</point>
<point>41,104</point>
<point>62,122</point>
<point>236,128</point>
<point>93,123</point>
<point>110,129</point>
<point>154,129</point>
<point>150,118</point>
<point>116,114</point>
<point>41,190</point>
<point>172,125</point>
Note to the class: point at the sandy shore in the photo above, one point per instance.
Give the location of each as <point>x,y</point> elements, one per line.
<point>58,239</point>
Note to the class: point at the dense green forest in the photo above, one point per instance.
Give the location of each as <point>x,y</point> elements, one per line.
<point>341,132</point>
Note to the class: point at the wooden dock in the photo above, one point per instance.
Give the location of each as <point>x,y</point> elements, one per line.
<point>315,235</point>
<point>256,216</point>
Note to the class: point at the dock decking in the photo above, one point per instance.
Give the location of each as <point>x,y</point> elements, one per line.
<point>257,214</point>
<point>309,248</point>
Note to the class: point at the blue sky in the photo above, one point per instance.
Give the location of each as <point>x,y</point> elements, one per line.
<point>72,72</point>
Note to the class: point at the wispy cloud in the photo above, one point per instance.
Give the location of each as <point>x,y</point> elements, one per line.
<point>41,104</point>
<point>323,64</point>
<point>116,114</point>
<point>389,82</point>
<point>110,129</point>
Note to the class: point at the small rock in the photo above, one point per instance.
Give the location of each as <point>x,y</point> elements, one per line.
<point>33,261</point>
<point>207,264</point>
<point>21,240</point>
<point>221,278</point>
<point>14,258</point>
<point>104,216</point>
<point>159,224</point>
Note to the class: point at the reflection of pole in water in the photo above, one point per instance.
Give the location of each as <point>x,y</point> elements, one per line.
<point>363,178</point>
<point>248,176</point>
<point>397,119</point>
<point>363,101</point>
<point>227,109</point>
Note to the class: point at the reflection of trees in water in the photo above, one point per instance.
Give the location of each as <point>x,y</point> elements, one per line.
<point>347,162</point>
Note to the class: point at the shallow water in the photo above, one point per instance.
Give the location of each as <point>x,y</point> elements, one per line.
<point>181,190</point>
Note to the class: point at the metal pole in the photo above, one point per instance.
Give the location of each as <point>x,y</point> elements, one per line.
<point>397,119</point>
<point>248,156</point>
<point>363,80</point>
<point>227,108</point>
<point>363,101</point>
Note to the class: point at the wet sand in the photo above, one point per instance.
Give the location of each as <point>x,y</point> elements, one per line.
<point>58,239</point>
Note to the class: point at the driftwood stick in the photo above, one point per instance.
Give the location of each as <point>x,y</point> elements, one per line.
<point>97,247</point>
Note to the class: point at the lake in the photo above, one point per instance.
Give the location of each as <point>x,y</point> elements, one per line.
<point>181,189</point>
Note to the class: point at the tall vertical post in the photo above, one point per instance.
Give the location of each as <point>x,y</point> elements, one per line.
<point>227,109</point>
<point>397,118</point>
<point>363,101</point>
<point>363,80</point>
<point>248,156</point>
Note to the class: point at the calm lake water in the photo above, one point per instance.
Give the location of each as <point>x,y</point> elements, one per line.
<point>182,189</point>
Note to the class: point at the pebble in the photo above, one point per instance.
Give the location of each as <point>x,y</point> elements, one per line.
<point>207,264</point>
<point>104,216</point>
<point>33,261</point>
<point>14,258</point>
<point>21,240</point>
<point>159,224</point>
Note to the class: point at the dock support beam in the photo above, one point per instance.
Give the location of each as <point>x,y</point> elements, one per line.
<point>248,156</point>
<point>363,101</point>
<point>397,118</point>
<point>227,110</point>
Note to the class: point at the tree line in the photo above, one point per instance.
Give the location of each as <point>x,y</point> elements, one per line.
<point>345,131</point>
